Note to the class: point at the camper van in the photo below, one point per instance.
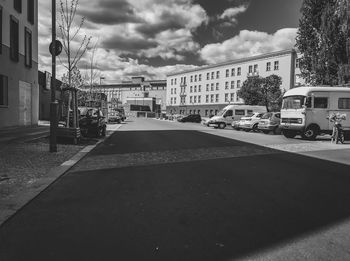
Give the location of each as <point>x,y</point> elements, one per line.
<point>305,110</point>
<point>233,113</point>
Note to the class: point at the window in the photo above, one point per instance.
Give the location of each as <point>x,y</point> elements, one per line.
<point>276,65</point>
<point>208,76</point>
<point>199,77</point>
<point>171,91</point>
<point>232,84</point>
<point>227,72</point>
<point>268,66</point>
<point>216,97</point>
<point>171,100</point>
<point>195,88</point>
<point>14,39</point>
<point>250,70</point>
<point>344,103</point>
<point>191,78</point>
<point>207,98</point>
<point>239,112</point>
<point>190,99</point>
<point>321,102</point>
<point>207,88</point>
<point>212,87</point>
<point>199,99</point>
<point>17,4</point>
<point>233,72</point>
<point>172,81</point>
<point>195,78</point>
<point>255,68</point>
<point>226,85</point>
<point>212,98</point>
<point>212,75</point>
<point>174,90</point>
<point>211,112</point>
<point>229,113</point>
<point>0,29</point>
<point>232,97</point>
<point>217,74</point>
<point>191,89</point>
<point>3,91</point>
<point>238,71</point>
<point>175,81</point>
<point>28,47</point>
<point>195,99</point>
<point>238,84</point>
<point>217,86</point>
<point>199,88</point>
<point>206,112</point>
<point>226,97</point>
<point>30,11</point>
<point>175,100</point>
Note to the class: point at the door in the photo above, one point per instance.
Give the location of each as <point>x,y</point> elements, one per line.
<point>25,103</point>
<point>228,117</point>
<point>340,104</point>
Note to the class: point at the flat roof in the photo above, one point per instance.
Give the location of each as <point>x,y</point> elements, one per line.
<point>304,91</point>
<point>242,60</point>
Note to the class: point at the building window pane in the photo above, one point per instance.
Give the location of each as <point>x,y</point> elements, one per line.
<point>233,72</point>
<point>14,43</point>
<point>3,90</point>
<point>276,65</point>
<point>268,66</point>
<point>17,4</point>
<point>30,11</point>
<point>28,47</point>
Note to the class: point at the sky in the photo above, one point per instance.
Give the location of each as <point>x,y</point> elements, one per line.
<point>153,38</point>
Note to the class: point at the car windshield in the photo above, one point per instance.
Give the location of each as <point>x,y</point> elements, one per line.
<point>293,102</point>
<point>221,113</point>
<point>266,115</point>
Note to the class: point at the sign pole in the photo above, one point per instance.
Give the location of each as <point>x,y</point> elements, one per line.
<point>54,103</point>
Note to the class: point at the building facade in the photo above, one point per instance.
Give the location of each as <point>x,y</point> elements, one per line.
<point>208,89</point>
<point>19,91</point>
<point>137,88</point>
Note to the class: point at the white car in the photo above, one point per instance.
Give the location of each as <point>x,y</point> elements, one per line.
<point>251,123</point>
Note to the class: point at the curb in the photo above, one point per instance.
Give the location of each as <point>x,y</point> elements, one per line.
<point>10,207</point>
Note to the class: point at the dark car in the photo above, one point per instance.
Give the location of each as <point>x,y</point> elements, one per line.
<point>191,118</point>
<point>92,122</point>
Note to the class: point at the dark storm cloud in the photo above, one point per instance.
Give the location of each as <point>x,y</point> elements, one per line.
<point>109,12</point>
<point>128,44</point>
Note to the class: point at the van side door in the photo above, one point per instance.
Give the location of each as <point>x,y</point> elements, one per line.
<point>340,103</point>
<point>320,111</point>
<point>228,117</point>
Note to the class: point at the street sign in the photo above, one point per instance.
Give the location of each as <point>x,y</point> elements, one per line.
<point>58,48</point>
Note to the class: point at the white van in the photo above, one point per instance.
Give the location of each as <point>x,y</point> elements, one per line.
<point>233,113</point>
<point>305,110</point>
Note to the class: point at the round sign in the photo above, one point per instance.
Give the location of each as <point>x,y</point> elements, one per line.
<point>58,48</point>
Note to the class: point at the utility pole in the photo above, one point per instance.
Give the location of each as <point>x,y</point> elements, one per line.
<point>54,103</point>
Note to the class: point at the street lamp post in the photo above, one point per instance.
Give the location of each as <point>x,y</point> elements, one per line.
<point>54,103</point>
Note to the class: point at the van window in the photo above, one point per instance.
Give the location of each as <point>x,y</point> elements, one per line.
<point>308,102</point>
<point>229,113</point>
<point>239,112</point>
<point>321,102</point>
<point>344,103</point>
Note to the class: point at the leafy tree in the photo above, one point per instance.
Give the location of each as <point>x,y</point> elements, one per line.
<point>322,41</point>
<point>262,91</point>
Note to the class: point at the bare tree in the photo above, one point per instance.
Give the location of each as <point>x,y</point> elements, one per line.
<point>69,33</point>
<point>92,74</point>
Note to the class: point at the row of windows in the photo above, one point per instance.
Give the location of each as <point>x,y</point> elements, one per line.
<point>322,103</point>
<point>216,75</point>
<point>17,5</point>
<point>208,87</point>
<point>14,40</point>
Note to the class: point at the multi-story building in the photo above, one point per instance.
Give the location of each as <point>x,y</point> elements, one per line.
<point>207,90</point>
<point>137,88</point>
<point>19,91</point>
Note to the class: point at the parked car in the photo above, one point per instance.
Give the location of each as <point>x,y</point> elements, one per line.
<point>92,122</point>
<point>191,118</point>
<point>270,121</point>
<point>251,123</point>
<point>114,116</point>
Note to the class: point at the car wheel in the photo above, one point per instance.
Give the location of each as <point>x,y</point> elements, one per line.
<point>309,133</point>
<point>289,133</point>
<point>222,125</point>
<point>255,127</point>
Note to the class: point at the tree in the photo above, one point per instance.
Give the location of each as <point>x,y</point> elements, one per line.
<point>69,36</point>
<point>322,41</point>
<point>262,91</point>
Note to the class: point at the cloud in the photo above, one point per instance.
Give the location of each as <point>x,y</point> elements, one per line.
<point>248,43</point>
<point>230,14</point>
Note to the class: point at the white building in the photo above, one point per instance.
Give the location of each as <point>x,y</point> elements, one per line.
<point>19,91</point>
<point>208,89</point>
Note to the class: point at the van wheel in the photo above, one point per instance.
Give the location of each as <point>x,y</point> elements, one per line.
<point>289,133</point>
<point>222,125</point>
<point>310,133</point>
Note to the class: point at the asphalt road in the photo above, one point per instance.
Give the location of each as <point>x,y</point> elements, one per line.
<point>163,191</point>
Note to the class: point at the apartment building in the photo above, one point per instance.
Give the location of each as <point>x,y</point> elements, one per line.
<point>19,91</point>
<point>208,89</point>
<point>119,94</point>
